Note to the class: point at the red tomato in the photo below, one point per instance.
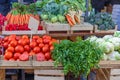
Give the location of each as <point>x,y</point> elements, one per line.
<point>22,42</point>
<point>19,49</point>
<point>10,49</point>
<point>12,36</point>
<point>6,38</point>
<point>27,48</point>
<point>24,57</point>
<point>5,45</point>
<point>27,41</point>
<point>13,43</point>
<point>18,38</point>
<point>11,59</point>
<point>8,55</point>
<point>36,49</point>
<point>46,41</point>
<point>47,37</point>
<point>40,57</point>
<point>47,55</point>
<point>11,39</point>
<point>36,37</point>
<point>32,53</point>
<point>16,56</point>
<point>41,45</point>
<point>39,40</point>
<point>51,48</point>
<point>33,44</point>
<point>25,37</point>
<point>25,52</point>
<point>45,49</point>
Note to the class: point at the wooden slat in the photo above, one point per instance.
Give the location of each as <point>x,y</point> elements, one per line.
<point>23,32</point>
<point>115,72</point>
<point>49,72</point>
<point>104,31</point>
<point>114,77</point>
<point>56,28</point>
<point>86,27</point>
<point>2,74</point>
<point>48,78</point>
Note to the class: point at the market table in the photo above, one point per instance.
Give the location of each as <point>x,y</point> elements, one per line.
<point>35,65</point>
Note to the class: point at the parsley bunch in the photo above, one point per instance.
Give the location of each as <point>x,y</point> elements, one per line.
<point>77,57</point>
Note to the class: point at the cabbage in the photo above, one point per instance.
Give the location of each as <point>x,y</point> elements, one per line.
<point>107,37</point>
<point>100,40</point>
<point>107,47</point>
<point>54,19</point>
<point>92,38</point>
<point>116,42</point>
<point>61,18</point>
<point>105,57</point>
<point>44,16</point>
<point>116,39</point>
<point>114,56</point>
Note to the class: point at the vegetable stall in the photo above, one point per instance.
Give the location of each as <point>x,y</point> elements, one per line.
<point>43,48</point>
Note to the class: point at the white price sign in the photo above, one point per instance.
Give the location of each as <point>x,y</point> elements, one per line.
<point>33,24</point>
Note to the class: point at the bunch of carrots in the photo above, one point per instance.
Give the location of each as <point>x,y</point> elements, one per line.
<point>20,14</point>
<point>20,18</point>
<point>73,18</point>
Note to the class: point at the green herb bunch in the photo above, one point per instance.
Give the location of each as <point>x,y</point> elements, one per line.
<point>77,57</point>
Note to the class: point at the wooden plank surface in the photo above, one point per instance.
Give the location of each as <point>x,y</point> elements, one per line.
<point>2,74</point>
<point>49,72</point>
<point>115,72</point>
<point>48,78</point>
<point>110,64</point>
<point>105,31</point>
<point>23,32</point>
<point>37,64</point>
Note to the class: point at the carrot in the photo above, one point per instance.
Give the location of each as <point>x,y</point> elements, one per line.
<point>23,18</point>
<point>8,17</point>
<point>77,19</point>
<point>20,20</point>
<point>69,19</point>
<point>11,19</point>
<point>27,18</point>
<point>17,19</point>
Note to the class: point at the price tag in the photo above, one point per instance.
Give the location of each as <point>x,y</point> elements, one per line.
<point>33,24</point>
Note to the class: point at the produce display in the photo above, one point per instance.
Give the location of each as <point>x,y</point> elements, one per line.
<point>103,20</point>
<point>19,16</point>
<point>61,11</point>
<point>21,47</point>
<point>2,20</point>
<point>77,57</point>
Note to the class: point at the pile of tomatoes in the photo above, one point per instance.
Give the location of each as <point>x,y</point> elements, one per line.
<point>22,47</point>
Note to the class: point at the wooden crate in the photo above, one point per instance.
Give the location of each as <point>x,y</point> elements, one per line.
<point>22,32</point>
<point>48,75</point>
<point>82,28</point>
<point>115,74</point>
<point>15,64</point>
<point>104,31</point>
<point>57,28</point>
